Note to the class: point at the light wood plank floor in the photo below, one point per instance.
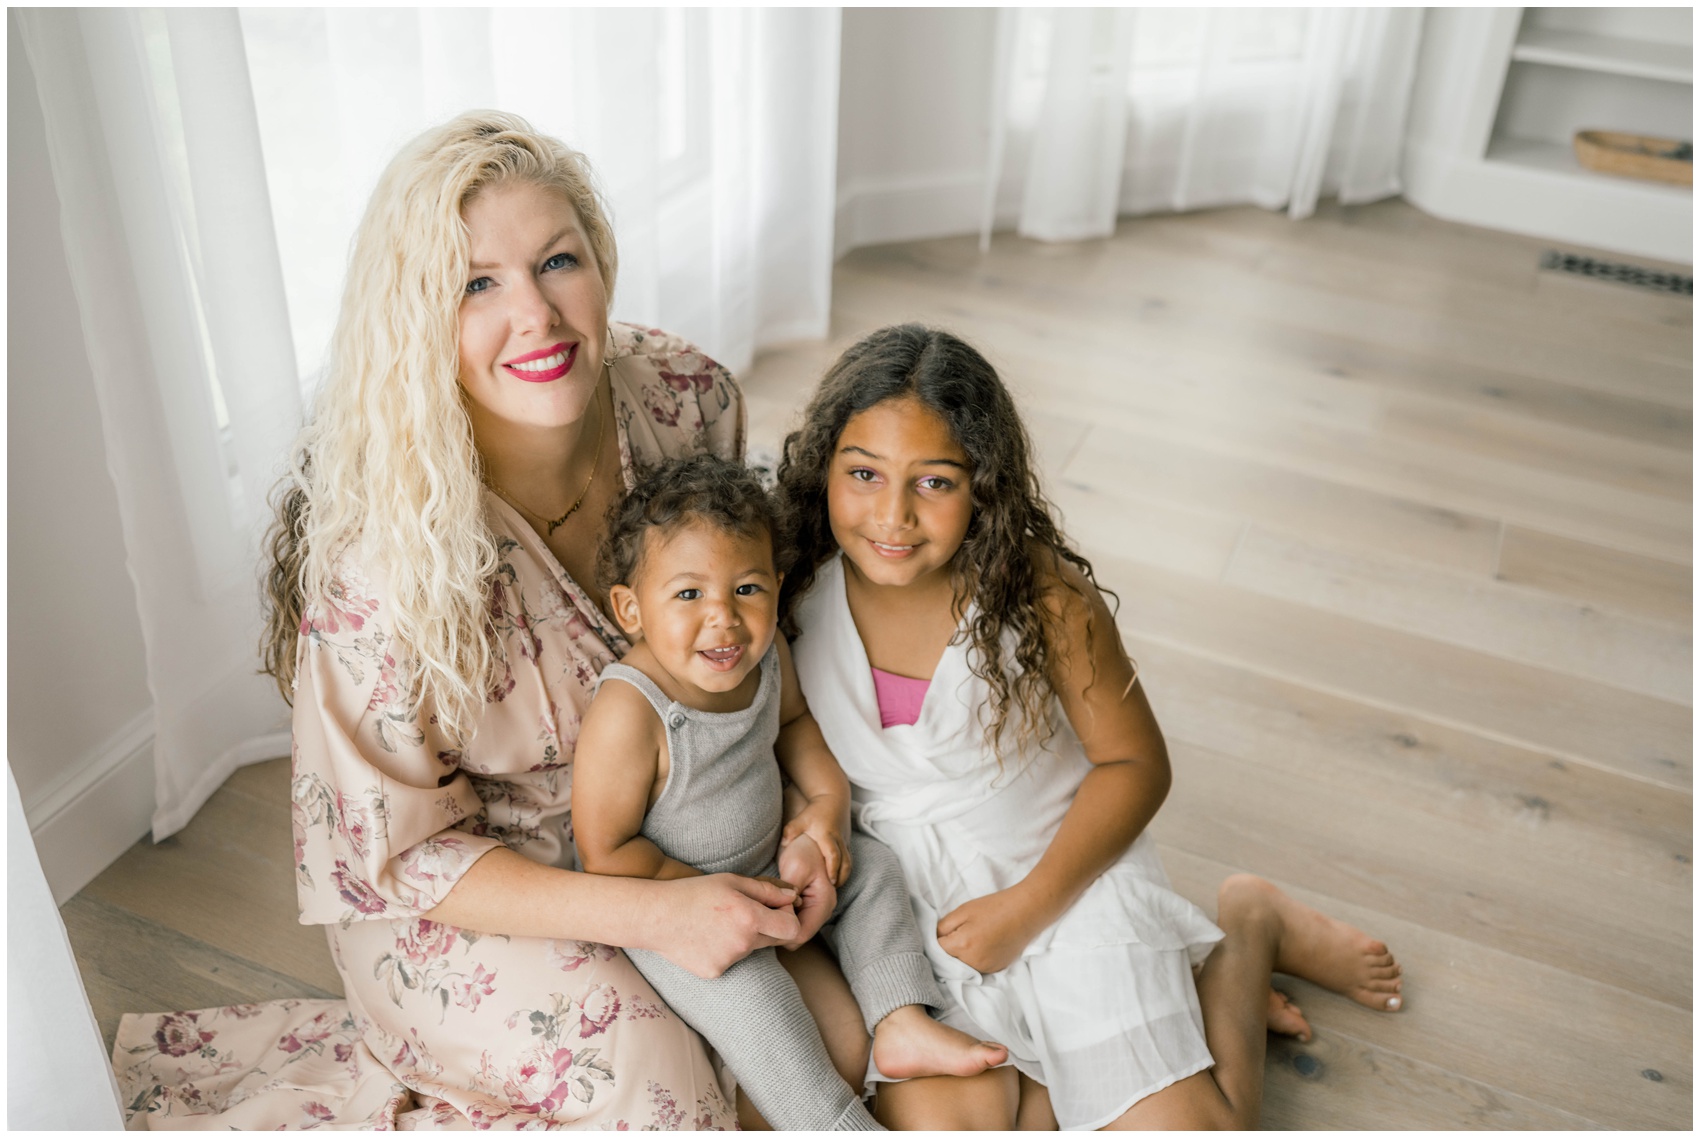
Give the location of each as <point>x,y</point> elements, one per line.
<point>1402,531</point>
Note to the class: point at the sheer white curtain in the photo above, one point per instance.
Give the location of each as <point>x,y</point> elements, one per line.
<point>712,131</point>
<point>211,166</point>
<point>168,236</point>
<point>1108,111</point>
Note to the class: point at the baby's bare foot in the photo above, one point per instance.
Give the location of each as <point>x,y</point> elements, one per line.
<point>1285,1018</point>
<point>1333,954</point>
<point>910,1044</point>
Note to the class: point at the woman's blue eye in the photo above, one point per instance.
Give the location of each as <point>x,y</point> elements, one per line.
<point>478,284</point>
<point>688,594</point>
<point>560,261</point>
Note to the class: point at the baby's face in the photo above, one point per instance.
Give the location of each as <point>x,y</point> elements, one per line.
<point>706,602</point>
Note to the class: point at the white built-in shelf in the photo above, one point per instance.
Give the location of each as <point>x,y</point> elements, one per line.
<point>1612,55</point>
<point>1558,158</point>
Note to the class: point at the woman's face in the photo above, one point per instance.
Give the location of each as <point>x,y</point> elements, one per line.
<point>897,493</point>
<point>535,313</point>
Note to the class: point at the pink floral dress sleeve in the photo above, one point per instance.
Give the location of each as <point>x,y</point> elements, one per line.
<point>376,792</point>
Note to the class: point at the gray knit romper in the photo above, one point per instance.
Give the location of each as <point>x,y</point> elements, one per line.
<point>721,812</point>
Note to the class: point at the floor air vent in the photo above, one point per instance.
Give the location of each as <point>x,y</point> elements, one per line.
<point>1676,283</point>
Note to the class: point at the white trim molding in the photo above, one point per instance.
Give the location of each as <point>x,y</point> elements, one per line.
<point>102,807</point>
<point>880,211</point>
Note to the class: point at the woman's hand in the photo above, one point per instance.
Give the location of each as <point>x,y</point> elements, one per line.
<point>711,923</point>
<point>801,864</point>
<point>989,933</point>
<point>822,820</point>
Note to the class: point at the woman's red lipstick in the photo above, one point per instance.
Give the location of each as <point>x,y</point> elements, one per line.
<point>543,375</point>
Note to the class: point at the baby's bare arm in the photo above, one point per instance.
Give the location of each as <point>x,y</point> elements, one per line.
<point>615,767</point>
<point>808,762</point>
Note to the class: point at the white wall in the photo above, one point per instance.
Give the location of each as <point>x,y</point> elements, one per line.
<point>914,122</point>
<point>79,715</point>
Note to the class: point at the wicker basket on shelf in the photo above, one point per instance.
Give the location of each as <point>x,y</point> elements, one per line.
<point>1636,155</point>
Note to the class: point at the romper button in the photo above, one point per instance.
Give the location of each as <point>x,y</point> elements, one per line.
<point>678,720</point>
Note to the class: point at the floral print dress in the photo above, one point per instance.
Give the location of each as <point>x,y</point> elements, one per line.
<point>442,1027</point>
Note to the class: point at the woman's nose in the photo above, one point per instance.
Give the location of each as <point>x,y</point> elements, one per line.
<point>532,310</point>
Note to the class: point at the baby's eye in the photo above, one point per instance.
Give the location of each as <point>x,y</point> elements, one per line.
<point>560,261</point>
<point>478,285</point>
<point>688,594</point>
<point>749,590</point>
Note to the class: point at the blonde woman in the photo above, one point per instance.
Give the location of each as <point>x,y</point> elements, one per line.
<point>435,622</point>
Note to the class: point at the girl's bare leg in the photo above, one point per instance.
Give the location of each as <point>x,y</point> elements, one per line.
<point>1035,1112</point>
<point>987,1101</point>
<point>1266,931</point>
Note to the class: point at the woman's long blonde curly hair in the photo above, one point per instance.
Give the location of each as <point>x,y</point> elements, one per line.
<point>386,467</point>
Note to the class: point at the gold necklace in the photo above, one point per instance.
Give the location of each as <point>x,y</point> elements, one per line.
<point>601,438</point>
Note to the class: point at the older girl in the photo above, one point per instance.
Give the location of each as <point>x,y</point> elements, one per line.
<point>966,671</point>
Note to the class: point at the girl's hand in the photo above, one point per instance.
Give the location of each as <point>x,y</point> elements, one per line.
<point>989,933</point>
<point>711,923</point>
<point>822,821</point>
<point>801,864</point>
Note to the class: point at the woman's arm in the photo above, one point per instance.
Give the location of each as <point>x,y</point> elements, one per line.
<point>616,765</point>
<point>1129,780</point>
<point>702,924</point>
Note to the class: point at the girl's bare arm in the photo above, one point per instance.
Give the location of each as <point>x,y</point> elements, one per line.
<point>1129,780</point>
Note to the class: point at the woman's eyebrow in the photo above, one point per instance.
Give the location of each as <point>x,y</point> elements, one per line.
<point>553,240</point>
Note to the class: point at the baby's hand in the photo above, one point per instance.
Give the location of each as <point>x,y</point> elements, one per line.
<point>989,933</point>
<point>820,820</point>
<point>801,864</point>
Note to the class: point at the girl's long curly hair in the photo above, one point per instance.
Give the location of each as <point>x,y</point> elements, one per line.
<point>386,468</point>
<point>1011,534</point>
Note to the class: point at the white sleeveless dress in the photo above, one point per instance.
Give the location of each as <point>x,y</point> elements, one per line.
<point>1101,1008</point>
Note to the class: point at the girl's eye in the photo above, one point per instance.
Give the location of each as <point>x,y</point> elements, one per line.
<point>749,590</point>
<point>936,483</point>
<point>478,285</point>
<point>560,261</point>
<point>862,474</point>
<point>688,594</point>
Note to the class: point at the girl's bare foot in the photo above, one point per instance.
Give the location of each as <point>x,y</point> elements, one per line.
<point>910,1044</point>
<point>1314,946</point>
<point>1285,1018</point>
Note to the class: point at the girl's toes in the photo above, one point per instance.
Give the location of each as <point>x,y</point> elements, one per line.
<point>1394,1003</point>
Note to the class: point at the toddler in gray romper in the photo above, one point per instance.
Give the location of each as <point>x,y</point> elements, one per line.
<point>688,565</point>
<point>721,812</point>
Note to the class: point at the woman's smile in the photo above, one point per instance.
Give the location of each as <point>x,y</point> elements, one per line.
<point>545,364</point>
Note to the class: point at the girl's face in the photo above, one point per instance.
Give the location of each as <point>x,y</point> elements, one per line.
<point>897,493</point>
<point>706,603</point>
<point>534,314</point>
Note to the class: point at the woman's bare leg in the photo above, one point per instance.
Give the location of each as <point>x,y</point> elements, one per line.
<point>1265,931</point>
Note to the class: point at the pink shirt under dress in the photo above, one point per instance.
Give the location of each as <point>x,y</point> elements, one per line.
<point>899,697</point>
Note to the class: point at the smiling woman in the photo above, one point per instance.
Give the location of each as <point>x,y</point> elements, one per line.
<point>440,643</point>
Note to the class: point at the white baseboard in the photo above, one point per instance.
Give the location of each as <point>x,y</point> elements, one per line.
<point>101,809</point>
<point>907,209</point>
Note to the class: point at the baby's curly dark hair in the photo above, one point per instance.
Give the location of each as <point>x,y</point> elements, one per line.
<point>1011,523</point>
<point>726,495</point>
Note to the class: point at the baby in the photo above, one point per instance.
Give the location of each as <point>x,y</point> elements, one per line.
<point>675,775</point>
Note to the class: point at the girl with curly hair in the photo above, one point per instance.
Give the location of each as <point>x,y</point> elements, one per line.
<point>965,668</point>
